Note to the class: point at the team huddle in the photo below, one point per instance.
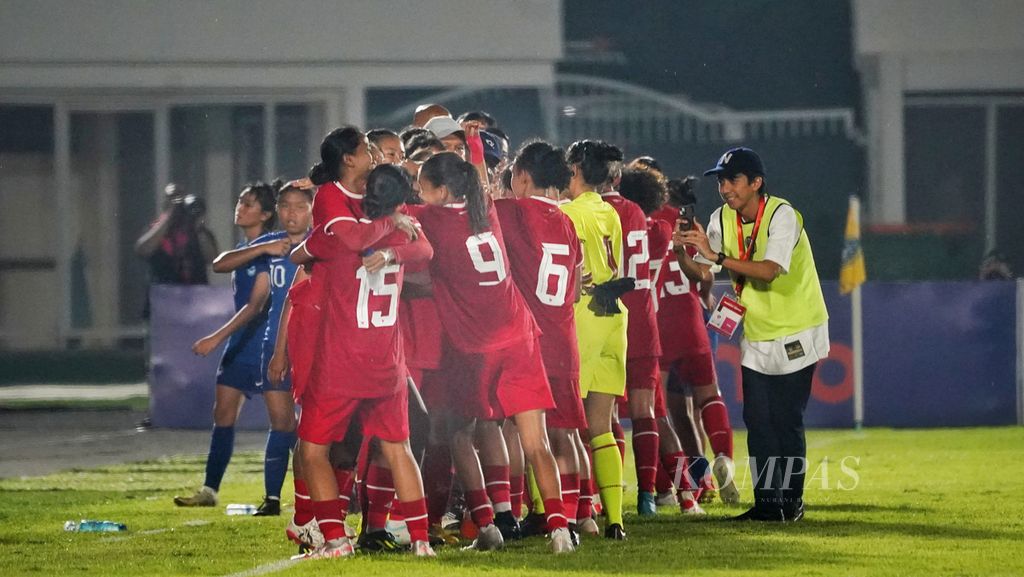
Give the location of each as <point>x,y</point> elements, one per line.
<point>461,330</point>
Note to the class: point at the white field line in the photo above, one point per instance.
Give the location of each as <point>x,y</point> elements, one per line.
<point>266,569</point>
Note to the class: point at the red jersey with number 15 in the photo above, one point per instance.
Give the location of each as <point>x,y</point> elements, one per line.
<point>479,305</point>
<point>545,256</point>
<point>359,353</point>
<point>642,332</point>
<point>680,313</point>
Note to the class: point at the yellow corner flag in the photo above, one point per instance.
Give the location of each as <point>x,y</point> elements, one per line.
<point>852,273</point>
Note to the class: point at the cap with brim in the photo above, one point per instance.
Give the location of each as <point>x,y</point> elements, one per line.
<point>443,126</point>
<point>736,161</point>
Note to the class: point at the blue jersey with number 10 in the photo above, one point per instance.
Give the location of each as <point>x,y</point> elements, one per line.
<point>244,344</point>
<point>281,271</point>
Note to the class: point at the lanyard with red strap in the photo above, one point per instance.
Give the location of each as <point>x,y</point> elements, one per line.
<point>747,252</point>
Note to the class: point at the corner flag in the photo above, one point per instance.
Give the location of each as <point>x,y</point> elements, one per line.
<point>852,273</point>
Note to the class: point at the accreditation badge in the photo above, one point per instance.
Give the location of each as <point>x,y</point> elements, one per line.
<point>726,317</point>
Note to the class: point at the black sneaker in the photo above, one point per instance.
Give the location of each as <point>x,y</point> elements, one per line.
<point>574,535</point>
<point>760,514</point>
<point>532,525</point>
<point>793,512</point>
<point>379,542</point>
<point>508,525</point>
<point>615,532</point>
<point>269,508</point>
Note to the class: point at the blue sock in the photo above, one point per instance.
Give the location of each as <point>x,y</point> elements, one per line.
<point>699,468</point>
<point>222,444</point>
<point>275,461</point>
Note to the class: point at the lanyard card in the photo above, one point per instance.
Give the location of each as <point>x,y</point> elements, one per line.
<point>726,317</point>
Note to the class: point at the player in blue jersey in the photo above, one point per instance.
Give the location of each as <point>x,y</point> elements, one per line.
<point>240,372</point>
<point>294,212</point>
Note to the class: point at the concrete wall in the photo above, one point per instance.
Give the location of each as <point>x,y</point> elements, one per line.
<point>923,46</point>
<point>267,43</point>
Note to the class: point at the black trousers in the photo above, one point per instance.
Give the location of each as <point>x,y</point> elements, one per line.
<point>773,411</point>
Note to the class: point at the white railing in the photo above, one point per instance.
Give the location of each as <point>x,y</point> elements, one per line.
<point>591,107</point>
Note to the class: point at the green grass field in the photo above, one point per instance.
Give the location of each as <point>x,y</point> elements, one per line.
<point>940,502</point>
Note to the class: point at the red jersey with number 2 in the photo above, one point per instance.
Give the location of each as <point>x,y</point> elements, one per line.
<point>642,331</point>
<point>479,305</point>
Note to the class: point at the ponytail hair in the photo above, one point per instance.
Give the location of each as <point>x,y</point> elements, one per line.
<point>681,191</point>
<point>387,188</point>
<point>544,163</point>
<point>266,195</point>
<point>461,178</point>
<point>599,161</point>
<point>333,148</point>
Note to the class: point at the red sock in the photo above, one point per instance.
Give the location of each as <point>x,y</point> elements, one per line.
<point>645,452</point>
<point>570,495</point>
<point>330,516</point>
<point>480,507</point>
<point>345,478</point>
<point>396,510</point>
<point>678,469</point>
<point>496,479</point>
<point>586,500</point>
<point>663,482</point>
<point>553,513</point>
<point>303,505</point>
<point>620,439</point>
<point>437,480</point>
<point>517,485</point>
<point>415,513</point>
<point>380,491</point>
<point>715,417</point>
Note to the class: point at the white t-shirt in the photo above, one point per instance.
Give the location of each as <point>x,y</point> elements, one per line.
<point>773,357</point>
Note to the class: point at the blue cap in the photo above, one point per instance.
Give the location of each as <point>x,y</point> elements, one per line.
<point>493,152</point>
<point>738,160</point>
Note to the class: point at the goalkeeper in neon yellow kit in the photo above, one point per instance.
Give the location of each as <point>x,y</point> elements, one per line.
<point>600,317</point>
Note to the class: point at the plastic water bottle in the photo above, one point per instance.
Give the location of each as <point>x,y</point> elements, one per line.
<point>89,526</point>
<point>240,509</point>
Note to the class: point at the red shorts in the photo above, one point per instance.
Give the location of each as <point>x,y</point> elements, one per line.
<point>641,373</point>
<point>325,420</point>
<point>568,412</point>
<point>496,384</point>
<point>695,370</point>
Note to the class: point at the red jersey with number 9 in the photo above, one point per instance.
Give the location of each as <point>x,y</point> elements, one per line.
<point>480,307</point>
<point>545,256</point>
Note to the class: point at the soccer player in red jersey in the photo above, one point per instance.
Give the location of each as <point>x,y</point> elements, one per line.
<point>687,353</point>
<point>546,261</point>
<point>648,191</point>
<point>359,367</point>
<point>643,343</point>
<point>494,367</point>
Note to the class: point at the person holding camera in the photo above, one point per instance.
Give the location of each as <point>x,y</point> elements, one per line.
<point>760,240</point>
<point>178,245</point>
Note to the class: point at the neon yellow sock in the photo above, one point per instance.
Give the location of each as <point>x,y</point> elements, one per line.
<point>608,475</point>
<point>538,501</point>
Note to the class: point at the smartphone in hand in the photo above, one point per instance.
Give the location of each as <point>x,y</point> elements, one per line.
<point>686,214</point>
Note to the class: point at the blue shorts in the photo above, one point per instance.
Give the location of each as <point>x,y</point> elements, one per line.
<point>241,376</point>
<point>264,383</point>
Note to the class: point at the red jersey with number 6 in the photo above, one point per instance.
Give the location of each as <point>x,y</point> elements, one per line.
<point>545,256</point>
<point>642,332</point>
<point>479,305</point>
